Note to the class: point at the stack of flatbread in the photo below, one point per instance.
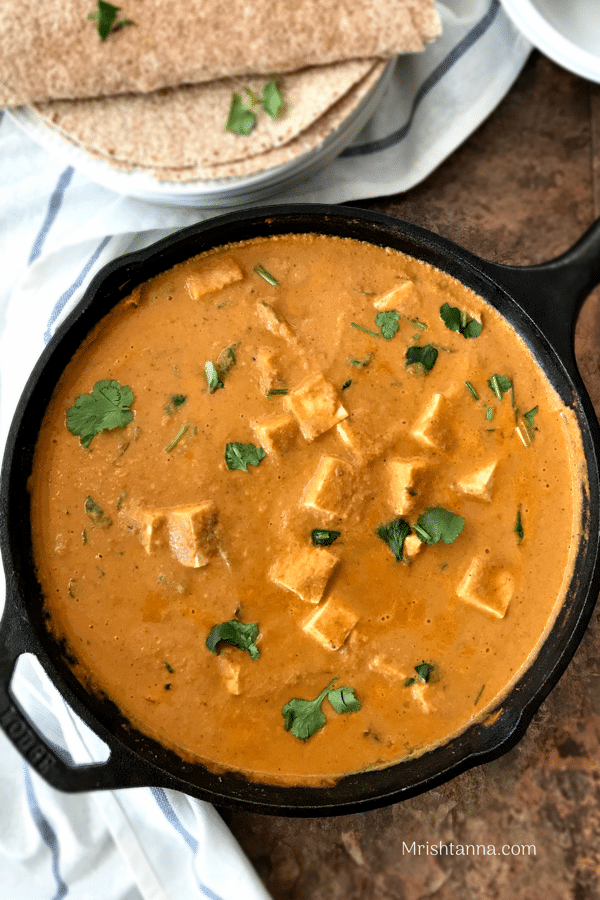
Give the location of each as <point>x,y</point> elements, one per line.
<point>154,95</point>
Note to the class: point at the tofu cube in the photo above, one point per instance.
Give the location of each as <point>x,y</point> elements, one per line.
<point>331,623</point>
<point>487,586</point>
<point>230,673</point>
<point>412,546</point>
<point>407,477</point>
<point>269,372</point>
<point>434,426</point>
<point>331,488</point>
<point>276,433</point>
<point>478,484</point>
<point>275,322</point>
<point>154,530</point>
<point>315,405</point>
<point>192,534</point>
<point>305,571</point>
<point>213,276</point>
<point>379,665</point>
<point>404,298</point>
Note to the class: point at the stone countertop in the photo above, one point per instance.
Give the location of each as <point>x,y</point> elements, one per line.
<point>521,190</point>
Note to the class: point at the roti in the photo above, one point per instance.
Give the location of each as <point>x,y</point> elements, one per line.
<point>180,135</point>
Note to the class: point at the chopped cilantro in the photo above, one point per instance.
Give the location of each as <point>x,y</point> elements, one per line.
<point>438,524</point>
<point>423,356</point>
<point>238,634</point>
<point>394,534</point>
<point>458,320</point>
<point>388,322</point>
<point>106,408</point>
<point>303,718</point>
<point>173,403</point>
<point>364,330</point>
<point>519,525</point>
<point>105,18</point>
<point>240,456</point>
<point>272,101</point>
<point>362,363</point>
<point>277,392</point>
<point>212,377</point>
<point>323,537</point>
<point>500,384</point>
<point>177,438</point>
<point>270,279</point>
<point>472,389</point>
<point>97,514</point>
<point>423,675</point>
<point>240,120</point>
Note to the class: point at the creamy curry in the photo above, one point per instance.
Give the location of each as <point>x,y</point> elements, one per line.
<point>303,506</point>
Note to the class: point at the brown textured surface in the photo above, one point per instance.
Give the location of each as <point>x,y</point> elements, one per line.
<point>520,191</point>
<point>52,50</point>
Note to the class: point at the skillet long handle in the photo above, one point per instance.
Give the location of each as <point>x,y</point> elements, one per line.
<point>552,292</point>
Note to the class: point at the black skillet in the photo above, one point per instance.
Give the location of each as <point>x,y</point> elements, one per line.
<point>541,302</point>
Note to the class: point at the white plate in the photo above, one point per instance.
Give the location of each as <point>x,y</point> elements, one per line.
<point>567,31</point>
<point>228,192</point>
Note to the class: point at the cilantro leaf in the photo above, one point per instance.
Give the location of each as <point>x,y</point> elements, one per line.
<point>323,537</point>
<point>472,390</point>
<point>240,120</point>
<point>303,718</point>
<point>499,384</point>
<point>97,514</point>
<point>272,101</point>
<point>394,533</point>
<point>423,671</point>
<point>173,404</point>
<point>343,700</point>
<point>529,424</point>
<point>438,524</point>
<point>458,320</point>
<point>104,409</point>
<point>362,363</point>
<point>240,456</point>
<point>238,634</point>
<point>424,356</point>
<point>212,377</point>
<point>388,322</point>
<point>177,438</point>
<point>264,273</point>
<point>519,525</point>
<point>105,17</point>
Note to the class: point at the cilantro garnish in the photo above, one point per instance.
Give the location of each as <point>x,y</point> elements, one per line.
<point>362,363</point>
<point>212,377</point>
<point>104,409</point>
<point>423,675</point>
<point>395,533</point>
<point>242,119</point>
<point>458,320</point>
<point>240,456</point>
<point>500,384</point>
<point>173,404</point>
<point>177,438</point>
<point>303,718</point>
<point>388,322</point>
<point>97,514</point>
<point>270,279</point>
<point>472,389</point>
<point>424,356</point>
<point>519,525</point>
<point>364,330</point>
<point>324,537</point>
<point>529,417</point>
<point>438,524</point>
<point>105,17</point>
<point>238,634</point>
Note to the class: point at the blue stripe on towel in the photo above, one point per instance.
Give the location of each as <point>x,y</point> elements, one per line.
<point>171,816</point>
<point>438,73</point>
<point>47,834</point>
<point>62,301</point>
<point>54,205</point>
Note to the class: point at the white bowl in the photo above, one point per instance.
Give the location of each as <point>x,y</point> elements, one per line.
<point>567,31</point>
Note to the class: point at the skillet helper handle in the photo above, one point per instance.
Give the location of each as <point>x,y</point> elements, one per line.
<point>552,292</point>
<point>118,770</point>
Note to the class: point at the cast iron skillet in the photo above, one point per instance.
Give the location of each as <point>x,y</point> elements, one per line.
<point>540,301</point>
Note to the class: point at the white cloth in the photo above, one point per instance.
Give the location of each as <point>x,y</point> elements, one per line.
<point>56,230</point>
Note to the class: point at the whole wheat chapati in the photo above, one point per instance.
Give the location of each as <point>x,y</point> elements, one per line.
<point>184,128</point>
<point>51,49</point>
